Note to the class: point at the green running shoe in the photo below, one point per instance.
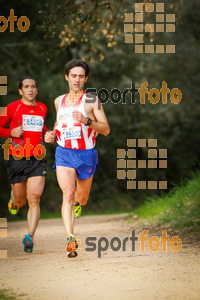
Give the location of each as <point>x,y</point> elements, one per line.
<point>77,210</point>
<point>13,209</point>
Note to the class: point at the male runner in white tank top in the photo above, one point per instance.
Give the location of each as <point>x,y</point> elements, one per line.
<point>77,125</point>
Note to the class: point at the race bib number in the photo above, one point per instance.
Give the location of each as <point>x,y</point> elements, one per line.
<point>72,133</point>
<point>32,123</point>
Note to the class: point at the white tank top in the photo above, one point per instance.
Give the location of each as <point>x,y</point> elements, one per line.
<point>70,133</point>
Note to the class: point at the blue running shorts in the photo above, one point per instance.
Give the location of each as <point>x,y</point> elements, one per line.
<point>84,161</point>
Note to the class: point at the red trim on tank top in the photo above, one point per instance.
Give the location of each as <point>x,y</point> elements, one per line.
<point>94,137</point>
<point>63,101</point>
<point>89,132</point>
<point>58,133</point>
<point>78,102</point>
<point>68,144</point>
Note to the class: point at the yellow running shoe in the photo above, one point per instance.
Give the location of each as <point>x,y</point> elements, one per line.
<point>77,210</point>
<point>13,209</point>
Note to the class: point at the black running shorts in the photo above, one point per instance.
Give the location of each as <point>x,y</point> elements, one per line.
<point>21,170</point>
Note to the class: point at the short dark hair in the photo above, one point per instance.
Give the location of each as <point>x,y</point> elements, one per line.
<point>20,83</point>
<point>76,63</point>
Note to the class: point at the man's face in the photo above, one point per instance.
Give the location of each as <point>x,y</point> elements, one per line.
<point>76,79</point>
<point>29,90</point>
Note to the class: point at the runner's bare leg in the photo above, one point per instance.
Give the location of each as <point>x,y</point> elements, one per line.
<point>35,186</point>
<point>66,179</point>
<point>83,190</point>
<point>19,193</point>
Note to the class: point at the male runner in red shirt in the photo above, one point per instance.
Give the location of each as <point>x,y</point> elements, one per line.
<point>25,153</point>
<point>78,123</point>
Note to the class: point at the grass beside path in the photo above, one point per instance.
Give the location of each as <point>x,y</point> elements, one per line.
<point>4,295</point>
<point>180,208</point>
<point>87,213</point>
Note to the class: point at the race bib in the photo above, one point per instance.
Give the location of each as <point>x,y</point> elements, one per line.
<point>72,133</point>
<point>32,123</point>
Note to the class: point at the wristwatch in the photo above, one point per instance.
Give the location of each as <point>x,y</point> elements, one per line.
<point>89,122</point>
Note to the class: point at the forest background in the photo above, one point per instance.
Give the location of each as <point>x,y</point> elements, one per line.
<point>94,31</point>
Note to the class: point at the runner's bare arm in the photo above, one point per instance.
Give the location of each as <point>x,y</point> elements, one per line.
<point>100,124</point>
<point>56,103</point>
<point>50,135</point>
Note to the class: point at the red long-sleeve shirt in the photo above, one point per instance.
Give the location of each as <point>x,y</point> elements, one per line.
<point>31,118</point>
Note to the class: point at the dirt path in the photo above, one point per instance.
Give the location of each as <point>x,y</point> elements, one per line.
<point>48,273</point>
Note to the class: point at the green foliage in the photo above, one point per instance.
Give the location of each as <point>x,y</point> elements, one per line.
<point>180,208</point>
<point>4,295</point>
